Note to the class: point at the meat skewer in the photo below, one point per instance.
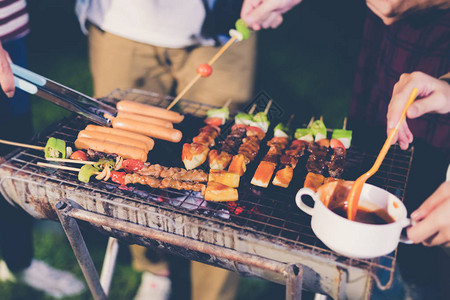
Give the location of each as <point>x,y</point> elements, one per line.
<point>277,145</point>
<point>124,178</point>
<point>291,156</point>
<point>251,143</point>
<point>219,160</point>
<point>318,149</point>
<point>195,153</point>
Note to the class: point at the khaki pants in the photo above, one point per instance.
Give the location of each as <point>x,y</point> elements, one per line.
<point>121,63</point>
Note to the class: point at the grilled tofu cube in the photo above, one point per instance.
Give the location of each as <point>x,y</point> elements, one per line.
<point>237,165</point>
<point>283,177</point>
<point>216,191</point>
<point>263,174</point>
<point>224,177</point>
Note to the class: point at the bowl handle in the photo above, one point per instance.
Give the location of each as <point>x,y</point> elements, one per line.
<point>298,200</point>
<point>403,238</point>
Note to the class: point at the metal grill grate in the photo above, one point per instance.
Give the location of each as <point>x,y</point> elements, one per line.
<point>260,213</point>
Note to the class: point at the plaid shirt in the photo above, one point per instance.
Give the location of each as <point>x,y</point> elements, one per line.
<point>418,43</point>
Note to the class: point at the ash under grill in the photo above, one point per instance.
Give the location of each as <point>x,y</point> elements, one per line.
<point>264,222</point>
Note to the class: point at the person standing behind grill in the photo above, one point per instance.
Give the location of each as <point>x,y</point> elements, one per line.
<point>432,226</point>
<point>414,37</point>
<point>157,46</point>
<point>16,242</point>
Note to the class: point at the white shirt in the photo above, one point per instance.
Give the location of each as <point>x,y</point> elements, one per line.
<point>164,23</point>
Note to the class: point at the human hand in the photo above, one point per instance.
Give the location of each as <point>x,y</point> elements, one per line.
<point>433,95</point>
<point>265,14</point>
<point>391,11</point>
<point>6,75</point>
<point>432,217</point>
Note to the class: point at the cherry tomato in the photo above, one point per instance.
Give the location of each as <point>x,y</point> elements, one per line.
<point>253,130</point>
<point>335,143</point>
<point>214,121</point>
<point>204,70</point>
<point>79,155</point>
<point>118,177</point>
<point>132,165</point>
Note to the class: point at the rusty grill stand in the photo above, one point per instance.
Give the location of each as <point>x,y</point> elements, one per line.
<point>80,250</point>
<point>68,216</point>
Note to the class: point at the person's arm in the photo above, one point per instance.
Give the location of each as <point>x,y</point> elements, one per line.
<point>391,11</point>
<point>259,14</point>
<point>6,75</point>
<point>433,97</point>
<point>433,221</point>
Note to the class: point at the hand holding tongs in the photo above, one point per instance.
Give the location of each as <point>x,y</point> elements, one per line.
<point>63,96</point>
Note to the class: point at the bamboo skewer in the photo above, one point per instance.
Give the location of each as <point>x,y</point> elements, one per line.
<point>252,109</point>
<point>22,145</point>
<point>269,104</point>
<point>67,160</point>
<point>197,77</point>
<point>58,167</point>
<point>355,192</point>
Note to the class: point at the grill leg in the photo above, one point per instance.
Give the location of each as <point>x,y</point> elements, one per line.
<point>80,250</point>
<point>109,263</point>
<point>294,282</point>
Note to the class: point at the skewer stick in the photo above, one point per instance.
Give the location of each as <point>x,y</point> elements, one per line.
<point>227,103</point>
<point>344,126</point>
<point>197,77</point>
<point>74,161</point>
<point>252,109</point>
<point>58,167</point>
<point>290,120</point>
<point>321,118</point>
<point>22,145</point>
<point>310,122</point>
<point>269,104</point>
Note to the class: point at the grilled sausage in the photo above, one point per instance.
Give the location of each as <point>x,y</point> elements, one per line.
<point>113,138</point>
<point>149,111</point>
<point>155,131</point>
<point>107,130</point>
<point>145,119</point>
<point>124,151</point>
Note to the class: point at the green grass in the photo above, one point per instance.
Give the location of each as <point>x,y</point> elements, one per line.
<point>306,66</point>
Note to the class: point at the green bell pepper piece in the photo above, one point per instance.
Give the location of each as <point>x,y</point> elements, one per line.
<point>318,129</point>
<point>55,148</point>
<point>243,118</point>
<point>86,172</point>
<point>242,28</point>
<point>101,163</point>
<point>303,133</point>
<point>281,130</point>
<point>223,113</point>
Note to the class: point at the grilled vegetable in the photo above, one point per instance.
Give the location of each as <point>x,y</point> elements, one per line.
<point>345,136</point>
<point>55,148</point>
<point>242,28</point>
<point>204,70</point>
<point>304,134</point>
<point>86,172</point>
<point>319,130</point>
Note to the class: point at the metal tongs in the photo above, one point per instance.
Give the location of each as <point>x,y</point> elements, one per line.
<point>63,96</point>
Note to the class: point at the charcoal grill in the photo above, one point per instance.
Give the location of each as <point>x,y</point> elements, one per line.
<point>264,234</point>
